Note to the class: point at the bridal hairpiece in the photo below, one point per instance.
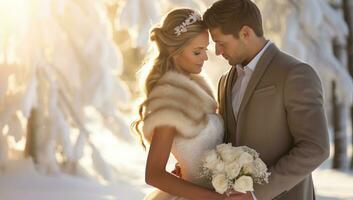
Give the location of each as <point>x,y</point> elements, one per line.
<point>193,17</point>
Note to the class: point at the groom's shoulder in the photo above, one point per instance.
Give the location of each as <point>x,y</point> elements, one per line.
<point>287,64</point>
<point>287,61</point>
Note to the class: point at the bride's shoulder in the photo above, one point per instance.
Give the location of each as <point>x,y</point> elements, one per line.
<point>180,102</point>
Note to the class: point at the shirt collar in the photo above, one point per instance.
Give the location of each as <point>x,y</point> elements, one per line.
<point>252,64</point>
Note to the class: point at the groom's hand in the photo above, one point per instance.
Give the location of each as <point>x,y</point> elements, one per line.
<point>177,170</point>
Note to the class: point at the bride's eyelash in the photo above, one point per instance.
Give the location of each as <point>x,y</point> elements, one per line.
<point>197,53</point>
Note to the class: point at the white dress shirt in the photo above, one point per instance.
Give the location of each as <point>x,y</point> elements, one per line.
<point>244,75</point>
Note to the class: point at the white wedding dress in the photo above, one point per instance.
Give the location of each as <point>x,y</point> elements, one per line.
<point>189,151</point>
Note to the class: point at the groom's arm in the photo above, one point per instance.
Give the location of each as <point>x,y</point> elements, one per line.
<point>307,123</point>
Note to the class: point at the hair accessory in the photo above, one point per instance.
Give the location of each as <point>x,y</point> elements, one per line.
<point>193,17</point>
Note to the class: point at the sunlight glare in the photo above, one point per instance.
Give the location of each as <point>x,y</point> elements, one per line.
<point>13,18</point>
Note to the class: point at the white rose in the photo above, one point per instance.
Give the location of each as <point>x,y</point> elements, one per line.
<point>220,147</point>
<point>220,183</point>
<point>229,153</point>
<point>211,160</point>
<point>219,168</point>
<point>232,169</point>
<point>256,168</point>
<point>245,158</point>
<point>238,151</point>
<point>243,184</point>
<point>250,168</point>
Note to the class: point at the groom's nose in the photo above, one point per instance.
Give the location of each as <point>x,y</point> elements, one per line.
<point>219,50</point>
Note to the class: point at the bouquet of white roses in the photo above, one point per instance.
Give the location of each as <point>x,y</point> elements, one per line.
<point>234,168</point>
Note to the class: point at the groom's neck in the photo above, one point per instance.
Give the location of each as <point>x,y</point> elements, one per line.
<point>254,48</point>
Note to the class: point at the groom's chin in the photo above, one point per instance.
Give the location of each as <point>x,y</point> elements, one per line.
<point>231,63</point>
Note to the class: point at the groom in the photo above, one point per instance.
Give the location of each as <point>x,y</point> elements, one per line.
<point>270,102</point>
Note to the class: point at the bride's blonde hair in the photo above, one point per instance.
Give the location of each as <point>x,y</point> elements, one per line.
<point>168,43</point>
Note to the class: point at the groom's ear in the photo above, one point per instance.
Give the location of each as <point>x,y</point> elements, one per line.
<point>245,32</point>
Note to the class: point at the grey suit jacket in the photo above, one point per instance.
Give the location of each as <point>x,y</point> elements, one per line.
<point>282,117</point>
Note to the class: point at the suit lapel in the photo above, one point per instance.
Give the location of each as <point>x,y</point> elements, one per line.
<point>260,69</point>
<point>228,109</point>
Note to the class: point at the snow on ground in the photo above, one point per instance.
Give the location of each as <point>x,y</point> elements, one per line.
<point>332,184</point>
<point>25,183</point>
<point>20,181</point>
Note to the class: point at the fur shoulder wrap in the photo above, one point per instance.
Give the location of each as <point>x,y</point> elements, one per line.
<point>179,101</point>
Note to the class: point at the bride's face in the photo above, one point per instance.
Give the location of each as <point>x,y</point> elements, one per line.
<point>191,60</point>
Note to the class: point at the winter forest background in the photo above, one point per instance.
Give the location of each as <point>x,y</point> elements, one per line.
<point>68,90</point>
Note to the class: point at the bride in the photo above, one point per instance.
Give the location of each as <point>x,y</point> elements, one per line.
<point>179,114</point>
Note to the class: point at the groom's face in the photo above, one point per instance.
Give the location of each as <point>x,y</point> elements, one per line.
<point>231,48</point>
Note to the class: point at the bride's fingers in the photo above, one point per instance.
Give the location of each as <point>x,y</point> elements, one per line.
<point>233,197</point>
<point>229,193</point>
<point>236,192</point>
<point>238,196</point>
<point>177,170</point>
<point>232,192</point>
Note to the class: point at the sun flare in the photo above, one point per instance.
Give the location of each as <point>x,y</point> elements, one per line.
<point>13,20</point>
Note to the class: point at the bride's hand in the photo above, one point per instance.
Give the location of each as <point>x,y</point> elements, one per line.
<point>230,192</point>
<point>238,196</point>
<point>177,170</point>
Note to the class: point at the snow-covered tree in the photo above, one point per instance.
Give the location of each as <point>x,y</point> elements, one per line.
<point>58,65</point>
<point>347,6</point>
<point>138,16</point>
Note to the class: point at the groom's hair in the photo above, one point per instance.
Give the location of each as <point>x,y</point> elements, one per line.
<point>231,15</point>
